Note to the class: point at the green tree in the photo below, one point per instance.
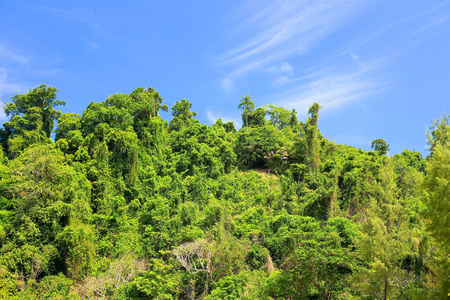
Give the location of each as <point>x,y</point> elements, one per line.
<point>247,106</point>
<point>319,263</point>
<point>68,134</point>
<point>49,193</point>
<point>160,282</point>
<point>182,115</point>
<point>383,239</point>
<point>67,123</point>
<point>439,132</point>
<point>41,98</point>
<point>252,146</point>
<point>77,241</point>
<point>256,118</point>
<point>147,103</point>
<point>279,116</point>
<point>32,117</point>
<point>436,196</point>
<point>380,146</point>
<point>308,147</point>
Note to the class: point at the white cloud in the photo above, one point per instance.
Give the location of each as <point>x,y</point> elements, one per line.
<point>283,68</point>
<point>77,14</point>
<point>7,85</point>
<point>338,87</point>
<point>401,41</point>
<point>283,28</point>
<point>92,46</point>
<point>227,84</point>
<point>280,81</point>
<point>353,56</point>
<point>286,68</point>
<point>8,54</point>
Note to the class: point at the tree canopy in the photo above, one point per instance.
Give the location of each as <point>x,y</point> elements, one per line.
<point>122,204</point>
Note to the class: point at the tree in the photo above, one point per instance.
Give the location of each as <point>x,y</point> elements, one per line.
<point>439,132</point>
<point>78,243</point>
<point>252,146</point>
<point>380,146</point>
<point>32,117</point>
<point>247,106</point>
<point>319,264</point>
<point>436,188</point>
<point>147,102</point>
<point>67,123</point>
<point>310,139</point>
<point>293,121</point>
<point>383,239</point>
<point>279,116</point>
<point>160,282</point>
<point>41,98</point>
<point>49,194</point>
<point>256,118</point>
<point>436,196</point>
<point>194,256</point>
<point>182,115</point>
<point>121,271</point>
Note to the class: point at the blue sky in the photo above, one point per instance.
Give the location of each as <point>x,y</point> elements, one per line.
<point>381,67</point>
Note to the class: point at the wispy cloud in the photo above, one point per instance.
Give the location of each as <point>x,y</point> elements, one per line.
<point>76,14</point>
<point>6,53</point>
<point>337,87</point>
<point>279,37</point>
<point>12,63</point>
<point>81,15</point>
<point>227,84</point>
<point>280,81</point>
<point>284,28</point>
<point>7,86</point>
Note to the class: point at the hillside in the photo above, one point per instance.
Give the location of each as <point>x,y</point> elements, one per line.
<point>123,205</point>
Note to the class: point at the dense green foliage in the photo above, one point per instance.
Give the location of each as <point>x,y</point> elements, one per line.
<point>123,205</point>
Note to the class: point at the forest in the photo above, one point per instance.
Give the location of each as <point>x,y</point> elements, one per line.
<point>118,203</point>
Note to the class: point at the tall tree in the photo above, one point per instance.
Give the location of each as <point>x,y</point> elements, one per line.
<point>32,118</point>
<point>247,106</point>
<point>439,132</point>
<point>43,100</point>
<point>436,196</point>
<point>293,121</point>
<point>310,136</point>
<point>383,238</point>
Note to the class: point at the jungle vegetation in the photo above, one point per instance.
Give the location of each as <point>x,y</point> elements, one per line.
<point>118,203</point>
